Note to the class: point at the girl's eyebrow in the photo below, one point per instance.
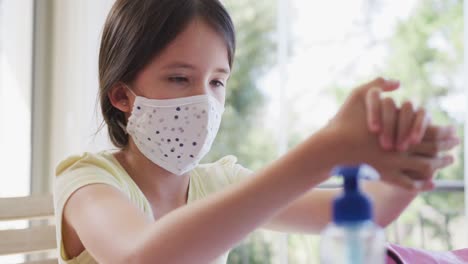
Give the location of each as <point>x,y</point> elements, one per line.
<point>183,65</point>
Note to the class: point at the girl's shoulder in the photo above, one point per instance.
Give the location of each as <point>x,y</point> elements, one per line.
<point>224,162</point>
<point>211,177</point>
<point>88,168</point>
<point>103,160</point>
<point>77,171</point>
<point>225,167</point>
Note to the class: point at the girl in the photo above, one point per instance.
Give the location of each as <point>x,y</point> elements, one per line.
<point>163,69</point>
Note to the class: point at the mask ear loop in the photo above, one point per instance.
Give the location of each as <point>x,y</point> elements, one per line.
<point>128,88</point>
<point>124,127</point>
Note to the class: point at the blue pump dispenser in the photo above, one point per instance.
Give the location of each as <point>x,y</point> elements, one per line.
<point>353,237</point>
<point>352,205</point>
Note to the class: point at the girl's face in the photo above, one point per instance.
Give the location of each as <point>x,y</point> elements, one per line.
<point>194,63</point>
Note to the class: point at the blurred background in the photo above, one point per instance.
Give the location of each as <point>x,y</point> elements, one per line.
<point>296,62</point>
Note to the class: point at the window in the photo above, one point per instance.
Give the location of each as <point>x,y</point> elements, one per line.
<point>296,61</point>
<point>16,40</point>
<point>16,33</point>
<point>314,54</point>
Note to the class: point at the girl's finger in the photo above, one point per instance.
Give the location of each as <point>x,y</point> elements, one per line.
<point>433,148</point>
<point>420,185</point>
<point>425,186</point>
<point>389,118</point>
<point>425,167</point>
<point>402,180</point>
<point>406,117</point>
<point>419,126</point>
<point>414,182</point>
<point>373,109</point>
<point>439,132</point>
<point>384,85</point>
<point>415,176</point>
<point>428,186</point>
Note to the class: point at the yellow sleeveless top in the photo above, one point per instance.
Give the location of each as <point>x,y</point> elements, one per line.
<point>91,168</point>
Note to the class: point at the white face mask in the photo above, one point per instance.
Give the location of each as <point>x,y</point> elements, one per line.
<point>175,133</point>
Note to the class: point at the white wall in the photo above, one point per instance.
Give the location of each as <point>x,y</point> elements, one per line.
<point>77,29</point>
<point>15,96</point>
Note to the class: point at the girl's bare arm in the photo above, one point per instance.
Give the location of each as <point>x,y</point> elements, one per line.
<point>114,231</point>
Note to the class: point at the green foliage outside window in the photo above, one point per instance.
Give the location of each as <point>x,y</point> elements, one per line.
<point>426,55</point>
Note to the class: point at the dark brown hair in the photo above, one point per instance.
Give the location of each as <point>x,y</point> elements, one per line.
<point>138,30</point>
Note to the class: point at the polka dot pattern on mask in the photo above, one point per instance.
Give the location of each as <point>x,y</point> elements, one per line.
<point>182,134</point>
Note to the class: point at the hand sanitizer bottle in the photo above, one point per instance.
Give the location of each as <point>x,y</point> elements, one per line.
<point>353,237</point>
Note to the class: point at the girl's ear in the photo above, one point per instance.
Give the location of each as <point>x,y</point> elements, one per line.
<point>121,98</point>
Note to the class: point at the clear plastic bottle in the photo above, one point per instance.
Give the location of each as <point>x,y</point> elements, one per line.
<point>352,237</point>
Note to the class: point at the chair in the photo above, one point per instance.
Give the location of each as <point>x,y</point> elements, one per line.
<point>37,237</point>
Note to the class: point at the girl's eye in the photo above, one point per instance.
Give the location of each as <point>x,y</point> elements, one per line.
<point>178,79</point>
<point>217,83</point>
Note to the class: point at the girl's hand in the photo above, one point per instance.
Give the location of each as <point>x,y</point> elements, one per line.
<point>436,140</point>
<point>408,130</point>
<point>397,128</point>
<point>359,145</point>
